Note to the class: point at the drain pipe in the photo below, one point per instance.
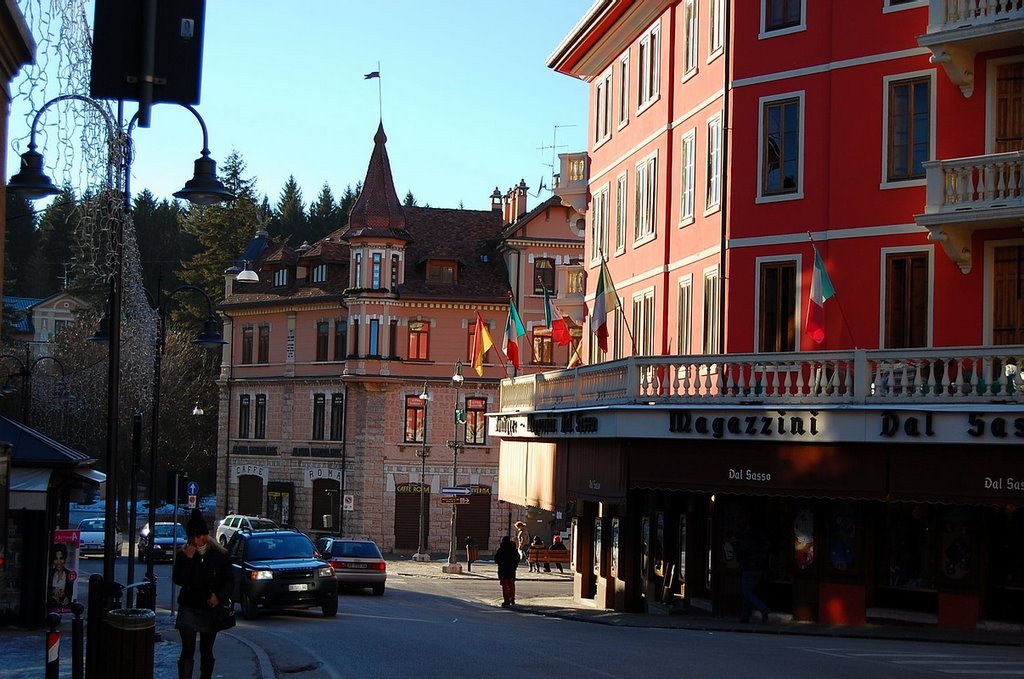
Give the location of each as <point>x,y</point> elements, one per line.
<point>726,134</point>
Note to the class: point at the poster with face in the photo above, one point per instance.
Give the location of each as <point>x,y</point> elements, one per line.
<point>62,580</point>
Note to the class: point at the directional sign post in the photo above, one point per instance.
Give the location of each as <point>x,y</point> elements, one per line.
<point>192,488</point>
<point>456,490</point>
<point>455,500</point>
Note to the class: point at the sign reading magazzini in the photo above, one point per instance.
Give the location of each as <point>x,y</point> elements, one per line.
<point>1001,424</point>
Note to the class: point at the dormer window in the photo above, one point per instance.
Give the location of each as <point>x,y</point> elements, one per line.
<point>441,272</point>
<point>318,274</point>
<point>281,278</point>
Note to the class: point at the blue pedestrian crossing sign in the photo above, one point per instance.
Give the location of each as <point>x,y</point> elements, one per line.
<point>192,488</point>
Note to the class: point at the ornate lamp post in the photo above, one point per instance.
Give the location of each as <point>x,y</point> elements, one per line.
<point>460,418</point>
<point>421,553</point>
<point>25,373</point>
<point>203,189</point>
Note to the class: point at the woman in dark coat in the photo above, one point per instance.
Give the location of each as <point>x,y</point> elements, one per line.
<point>202,570</point>
<point>507,560</point>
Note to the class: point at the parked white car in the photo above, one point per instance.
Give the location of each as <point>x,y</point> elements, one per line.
<point>92,535</point>
<point>236,522</point>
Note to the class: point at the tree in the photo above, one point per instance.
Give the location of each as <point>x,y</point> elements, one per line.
<point>291,225</point>
<point>53,255</point>
<point>324,215</point>
<point>162,245</point>
<point>410,200</point>
<point>348,199</point>
<point>21,241</point>
<point>223,232</point>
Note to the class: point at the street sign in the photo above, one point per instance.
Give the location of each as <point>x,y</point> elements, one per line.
<point>348,504</point>
<point>192,501</point>
<point>192,488</point>
<point>456,490</point>
<point>455,500</point>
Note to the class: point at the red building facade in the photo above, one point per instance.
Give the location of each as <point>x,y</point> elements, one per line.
<point>729,142</point>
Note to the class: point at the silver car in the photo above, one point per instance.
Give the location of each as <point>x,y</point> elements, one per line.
<point>357,563</point>
<point>91,537</point>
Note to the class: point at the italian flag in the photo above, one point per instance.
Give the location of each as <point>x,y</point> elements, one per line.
<point>821,292</point>
<point>605,298</point>
<point>514,329</point>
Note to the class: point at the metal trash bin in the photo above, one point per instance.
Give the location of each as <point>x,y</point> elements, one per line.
<point>130,638</point>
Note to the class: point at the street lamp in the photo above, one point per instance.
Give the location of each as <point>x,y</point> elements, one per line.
<point>460,418</point>
<point>210,338</point>
<point>422,554</point>
<point>25,373</point>
<point>32,183</point>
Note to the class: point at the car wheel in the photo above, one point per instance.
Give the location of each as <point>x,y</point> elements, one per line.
<point>378,590</point>
<point>249,611</point>
<point>330,607</point>
<point>223,541</point>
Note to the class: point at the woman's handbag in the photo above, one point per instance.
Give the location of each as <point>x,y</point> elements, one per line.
<point>224,615</point>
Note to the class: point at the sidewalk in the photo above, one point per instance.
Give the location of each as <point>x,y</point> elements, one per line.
<point>237,656</point>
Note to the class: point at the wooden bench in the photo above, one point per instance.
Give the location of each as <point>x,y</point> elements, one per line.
<point>549,555</point>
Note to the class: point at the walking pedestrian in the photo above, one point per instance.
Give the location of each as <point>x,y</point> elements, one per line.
<point>507,560</point>
<point>202,570</point>
<point>522,540</point>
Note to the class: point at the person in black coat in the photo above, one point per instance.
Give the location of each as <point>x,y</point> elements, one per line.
<point>507,560</point>
<point>202,570</point>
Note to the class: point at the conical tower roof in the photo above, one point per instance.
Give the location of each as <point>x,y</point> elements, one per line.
<point>377,212</point>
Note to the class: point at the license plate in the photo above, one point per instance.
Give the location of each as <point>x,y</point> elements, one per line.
<point>297,588</point>
<point>358,565</point>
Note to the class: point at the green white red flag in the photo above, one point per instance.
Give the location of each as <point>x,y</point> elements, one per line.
<point>821,292</point>
<point>554,320</point>
<point>514,329</point>
<point>605,298</point>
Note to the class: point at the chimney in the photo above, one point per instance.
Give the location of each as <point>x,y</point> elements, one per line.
<point>496,200</point>
<point>521,198</point>
<point>507,214</point>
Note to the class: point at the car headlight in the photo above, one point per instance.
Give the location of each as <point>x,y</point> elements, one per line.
<point>326,571</point>
<point>262,575</point>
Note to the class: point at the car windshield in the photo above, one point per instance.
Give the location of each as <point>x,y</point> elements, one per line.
<point>360,550</point>
<point>279,547</point>
<point>91,525</point>
<point>167,530</point>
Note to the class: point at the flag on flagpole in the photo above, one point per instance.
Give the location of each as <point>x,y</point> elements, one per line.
<point>605,293</point>
<point>482,343</point>
<point>371,75</point>
<point>553,319</point>
<point>514,329</point>
<point>821,292</point>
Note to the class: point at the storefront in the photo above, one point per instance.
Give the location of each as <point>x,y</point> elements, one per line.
<point>913,516</point>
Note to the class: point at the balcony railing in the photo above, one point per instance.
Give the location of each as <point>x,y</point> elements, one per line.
<point>924,376</point>
<point>976,182</point>
<point>953,14</point>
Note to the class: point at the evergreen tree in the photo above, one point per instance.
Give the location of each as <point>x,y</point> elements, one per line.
<point>21,242</point>
<point>162,245</point>
<point>410,200</point>
<point>348,199</point>
<point>222,231</point>
<point>324,215</point>
<point>291,214</point>
<point>54,252</point>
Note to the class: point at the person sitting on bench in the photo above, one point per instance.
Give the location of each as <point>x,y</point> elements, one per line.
<point>559,545</point>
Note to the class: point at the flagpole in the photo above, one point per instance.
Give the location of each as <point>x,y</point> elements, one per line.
<point>618,304</point>
<point>835,295</point>
<point>380,95</point>
<point>498,351</point>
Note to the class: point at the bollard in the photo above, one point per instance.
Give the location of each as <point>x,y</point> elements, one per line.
<point>77,642</point>
<point>93,624</point>
<point>53,647</point>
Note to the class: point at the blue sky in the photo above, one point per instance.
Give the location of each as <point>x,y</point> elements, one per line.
<point>468,102</point>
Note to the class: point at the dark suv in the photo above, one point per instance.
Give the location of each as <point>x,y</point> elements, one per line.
<point>280,569</point>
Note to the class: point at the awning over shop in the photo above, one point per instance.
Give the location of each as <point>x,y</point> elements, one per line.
<point>28,488</point>
<point>596,470</point>
<point>825,471</point>
<point>957,474</point>
<point>90,475</point>
<point>528,473</point>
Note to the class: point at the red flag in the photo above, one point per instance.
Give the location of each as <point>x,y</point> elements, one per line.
<point>554,320</point>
